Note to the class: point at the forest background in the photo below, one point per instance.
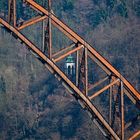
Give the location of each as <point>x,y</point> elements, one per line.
<point>32,105</point>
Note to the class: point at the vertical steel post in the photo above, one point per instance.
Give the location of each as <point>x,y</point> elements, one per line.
<point>86,72</point>
<point>110,103</point>
<point>122,111</point>
<point>50,30</point>
<point>9,7</point>
<point>12,12</point>
<point>43,30</point>
<point>43,36</point>
<point>77,68</point>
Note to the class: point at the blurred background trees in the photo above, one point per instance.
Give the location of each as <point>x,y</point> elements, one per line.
<point>33,105</point>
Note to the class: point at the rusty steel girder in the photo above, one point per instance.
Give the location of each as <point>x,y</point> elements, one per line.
<point>12,12</point>
<point>118,86</point>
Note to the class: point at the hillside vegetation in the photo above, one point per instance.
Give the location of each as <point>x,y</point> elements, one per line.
<point>33,104</point>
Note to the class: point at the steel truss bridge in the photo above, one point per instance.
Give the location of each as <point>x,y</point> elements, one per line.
<point>118,86</point>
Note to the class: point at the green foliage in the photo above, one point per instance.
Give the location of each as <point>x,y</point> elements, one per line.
<point>3,4</point>
<point>122,10</point>
<point>31,107</point>
<point>96,1</point>
<point>111,3</point>
<point>68,5</point>
<point>97,17</point>
<point>100,14</point>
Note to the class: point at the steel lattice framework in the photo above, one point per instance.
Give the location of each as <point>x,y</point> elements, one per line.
<point>118,86</point>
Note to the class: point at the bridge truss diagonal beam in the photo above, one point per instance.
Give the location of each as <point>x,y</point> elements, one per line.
<point>103,89</point>
<point>31,22</point>
<point>76,38</point>
<point>62,76</point>
<point>119,80</point>
<point>68,53</point>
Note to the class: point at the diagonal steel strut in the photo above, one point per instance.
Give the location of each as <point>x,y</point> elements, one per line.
<point>76,38</point>
<point>126,87</point>
<point>62,76</point>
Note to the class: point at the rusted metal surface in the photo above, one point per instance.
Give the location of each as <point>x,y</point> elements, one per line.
<point>77,68</point>
<point>135,135</point>
<point>43,36</point>
<point>86,72</point>
<point>103,89</point>
<point>76,37</point>
<point>82,71</point>
<point>98,83</point>
<point>50,29</point>
<point>63,76</point>
<point>12,12</point>
<point>31,22</point>
<point>64,50</point>
<point>110,102</point>
<point>68,53</point>
<point>122,111</point>
<point>116,118</point>
<point>118,85</point>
